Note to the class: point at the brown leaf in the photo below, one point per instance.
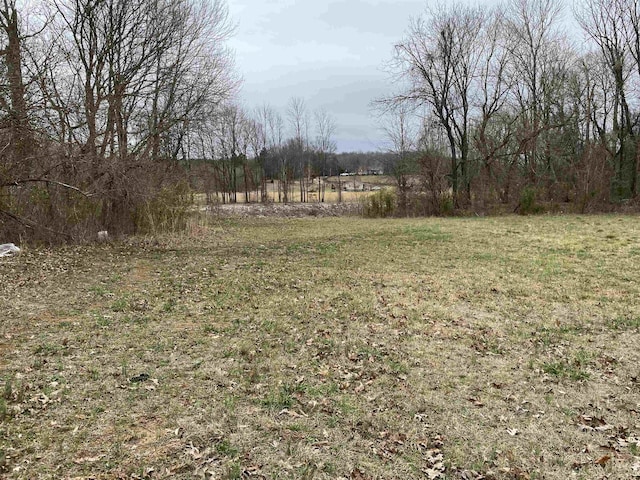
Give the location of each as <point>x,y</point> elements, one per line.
<point>291,413</point>
<point>588,423</point>
<point>608,448</point>
<point>357,474</point>
<point>253,471</point>
<point>603,460</point>
<point>470,475</point>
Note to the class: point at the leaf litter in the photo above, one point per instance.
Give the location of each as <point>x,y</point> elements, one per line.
<point>376,358</point>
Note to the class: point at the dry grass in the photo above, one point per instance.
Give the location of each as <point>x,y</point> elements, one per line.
<point>503,348</point>
<point>330,196</point>
<point>385,180</point>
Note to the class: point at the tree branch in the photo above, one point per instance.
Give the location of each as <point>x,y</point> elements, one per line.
<point>32,225</point>
<point>46,180</point>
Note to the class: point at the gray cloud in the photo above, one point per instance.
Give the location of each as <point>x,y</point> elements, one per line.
<point>329,53</point>
<point>381,18</point>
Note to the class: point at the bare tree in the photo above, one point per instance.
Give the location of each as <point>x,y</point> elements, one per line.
<point>534,40</point>
<point>493,130</point>
<point>325,145</point>
<point>606,23</point>
<point>15,105</point>
<point>400,129</point>
<point>114,86</point>
<point>298,117</point>
<point>439,60</point>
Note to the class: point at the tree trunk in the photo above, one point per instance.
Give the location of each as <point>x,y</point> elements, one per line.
<point>18,109</point>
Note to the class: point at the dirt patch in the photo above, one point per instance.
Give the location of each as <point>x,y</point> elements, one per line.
<point>285,210</point>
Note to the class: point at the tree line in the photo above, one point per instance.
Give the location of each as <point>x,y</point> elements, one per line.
<point>241,151</point>
<point>113,111</point>
<point>498,106</point>
<point>97,99</point>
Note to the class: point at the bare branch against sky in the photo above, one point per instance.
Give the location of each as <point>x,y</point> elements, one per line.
<point>331,53</point>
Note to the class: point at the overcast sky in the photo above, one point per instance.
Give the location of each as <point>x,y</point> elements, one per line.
<point>330,53</point>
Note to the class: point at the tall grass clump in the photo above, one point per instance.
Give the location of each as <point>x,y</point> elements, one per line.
<point>379,205</point>
<point>167,211</point>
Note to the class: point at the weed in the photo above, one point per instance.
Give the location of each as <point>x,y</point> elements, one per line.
<point>46,349</point>
<point>124,369</point>
<point>379,205</point>
<point>557,369</point>
<point>99,290</point>
<point>169,305</point>
<point>307,472</point>
<point>282,398</point>
<point>269,326</point>
<point>582,358</point>
<point>120,305</point>
<point>136,319</point>
<point>103,321</point>
<point>296,427</point>
<point>398,368</point>
<point>562,369</point>
<point>8,389</point>
<point>528,202</point>
<point>329,468</point>
<point>224,447</point>
<point>345,406</point>
<point>234,472</point>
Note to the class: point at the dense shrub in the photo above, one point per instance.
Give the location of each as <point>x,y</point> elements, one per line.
<point>528,202</point>
<point>167,211</point>
<point>69,198</point>
<point>379,205</point>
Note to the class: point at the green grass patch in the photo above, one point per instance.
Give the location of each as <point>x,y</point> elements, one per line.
<point>625,323</point>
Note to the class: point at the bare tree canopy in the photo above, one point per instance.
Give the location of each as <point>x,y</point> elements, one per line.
<point>100,92</point>
<point>516,110</point>
<point>112,112</point>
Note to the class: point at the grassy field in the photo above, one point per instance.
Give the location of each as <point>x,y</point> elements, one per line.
<point>384,180</point>
<point>485,348</point>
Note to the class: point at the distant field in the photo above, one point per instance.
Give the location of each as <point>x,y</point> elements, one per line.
<point>485,348</point>
<point>369,179</point>
<point>331,195</point>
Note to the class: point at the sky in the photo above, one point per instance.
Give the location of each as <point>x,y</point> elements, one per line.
<point>330,53</point>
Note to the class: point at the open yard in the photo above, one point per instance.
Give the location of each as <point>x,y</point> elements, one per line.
<point>484,348</point>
